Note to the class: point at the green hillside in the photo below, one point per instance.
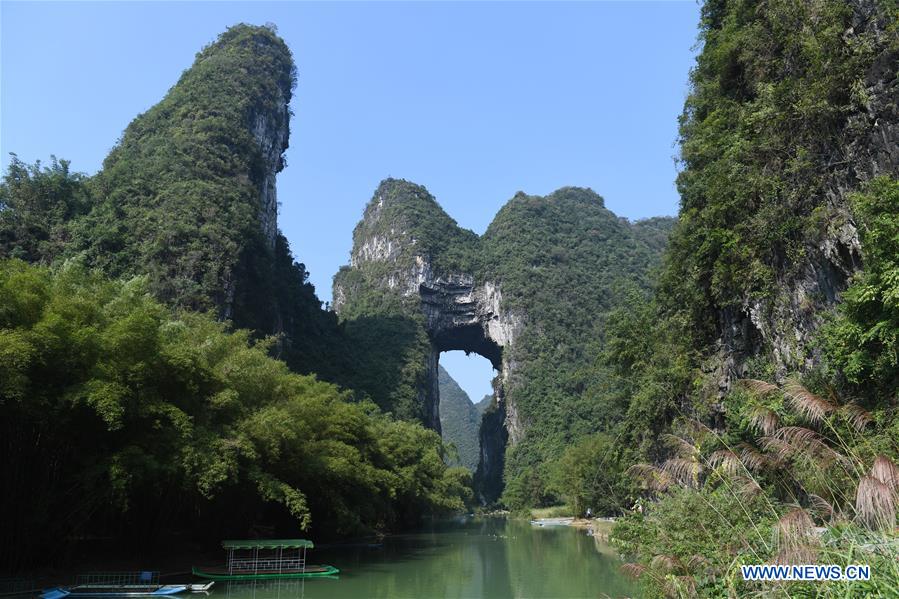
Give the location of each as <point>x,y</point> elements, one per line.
<point>560,262</point>
<point>460,420</point>
<point>141,394</point>
<point>761,376</point>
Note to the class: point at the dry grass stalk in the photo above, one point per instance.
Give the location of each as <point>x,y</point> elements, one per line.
<point>684,471</point>
<point>875,504</point>
<point>794,537</point>
<point>821,506</point>
<point>652,478</point>
<point>681,446</point>
<point>759,387</point>
<point>680,586</point>
<point>632,570</point>
<point>798,436</point>
<point>696,561</point>
<point>780,449</point>
<point>763,420</point>
<point>886,472</point>
<point>747,487</point>
<point>813,407</point>
<point>727,460</point>
<point>753,459</point>
<point>665,563</point>
<point>858,417</point>
<point>807,443</point>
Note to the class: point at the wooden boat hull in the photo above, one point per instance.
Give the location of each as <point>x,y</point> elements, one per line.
<point>221,573</point>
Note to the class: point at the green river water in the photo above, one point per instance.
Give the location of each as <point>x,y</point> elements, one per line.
<point>471,557</point>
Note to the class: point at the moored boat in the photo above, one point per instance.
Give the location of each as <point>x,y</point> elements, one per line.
<point>265,560</point>
<point>120,584</point>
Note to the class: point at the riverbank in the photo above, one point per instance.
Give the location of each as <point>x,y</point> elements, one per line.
<point>598,527</point>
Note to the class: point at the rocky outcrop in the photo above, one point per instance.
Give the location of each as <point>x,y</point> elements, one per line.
<point>555,257</point>
<point>271,132</point>
<point>189,190</point>
<point>784,325</point>
<point>460,313</point>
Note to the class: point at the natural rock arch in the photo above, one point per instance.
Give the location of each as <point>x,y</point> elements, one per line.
<point>460,315</point>
<point>526,295</point>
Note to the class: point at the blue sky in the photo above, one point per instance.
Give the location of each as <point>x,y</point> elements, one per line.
<point>473,100</point>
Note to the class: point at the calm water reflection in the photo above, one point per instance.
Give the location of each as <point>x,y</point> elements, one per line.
<point>484,557</point>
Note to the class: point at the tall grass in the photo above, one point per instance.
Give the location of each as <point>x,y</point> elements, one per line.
<point>812,484</point>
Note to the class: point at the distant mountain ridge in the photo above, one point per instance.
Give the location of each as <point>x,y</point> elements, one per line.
<point>460,420</point>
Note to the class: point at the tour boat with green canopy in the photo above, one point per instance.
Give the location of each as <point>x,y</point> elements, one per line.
<point>265,559</point>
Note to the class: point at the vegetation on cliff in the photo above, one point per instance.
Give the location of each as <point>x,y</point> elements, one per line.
<point>662,370</point>
<point>558,260</point>
<point>182,199</point>
<point>130,406</point>
<point>775,135</point>
<point>179,197</point>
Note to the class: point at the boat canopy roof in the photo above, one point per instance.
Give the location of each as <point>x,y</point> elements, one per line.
<point>268,544</point>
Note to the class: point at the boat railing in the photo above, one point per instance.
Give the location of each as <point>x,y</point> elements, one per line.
<point>147,579</point>
<point>266,564</point>
<point>16,586</point>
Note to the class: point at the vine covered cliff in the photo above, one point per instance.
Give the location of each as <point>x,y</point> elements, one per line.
<point>793,109</point>
<point>188,193</point>
<point>528,295</point>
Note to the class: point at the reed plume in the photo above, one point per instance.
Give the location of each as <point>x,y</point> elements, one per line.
<point>812,407</point>
<point>875,504</point>
<point>794,537</point>
<point>857,416</point>
<point>653,479</point>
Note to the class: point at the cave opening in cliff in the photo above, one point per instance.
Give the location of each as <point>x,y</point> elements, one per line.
<point>466,389</point>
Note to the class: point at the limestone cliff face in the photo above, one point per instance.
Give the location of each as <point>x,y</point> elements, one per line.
<point>188,194</point>
<point>784,325</point>
<point>459,311</point>
<point>487,294</point>
<point>271,132</point>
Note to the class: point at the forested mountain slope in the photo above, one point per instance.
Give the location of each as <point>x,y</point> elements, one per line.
<point>460,420</point>
<point>187,197</point>
<point>793,109</point>
<point>761,376</point>
<point>131,410</point>
<point>529,295</point>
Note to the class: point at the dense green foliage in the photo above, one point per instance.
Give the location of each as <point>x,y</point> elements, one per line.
<point>863,339</point>
<point>178,198</point>
<point>777,95</point>
<point>125,404</point>
<point>129,408</point>
<point>124,418</point>
<point>558,261</point>
<point>769,110</point>
<point>37,207</point>
<point>460,420</point>
<point>589,475</point>
<point>775,92</point>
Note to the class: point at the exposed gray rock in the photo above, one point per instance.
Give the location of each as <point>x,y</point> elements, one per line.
<point>271,133</point>
<point>785,324</point>
<point>460,314</point>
